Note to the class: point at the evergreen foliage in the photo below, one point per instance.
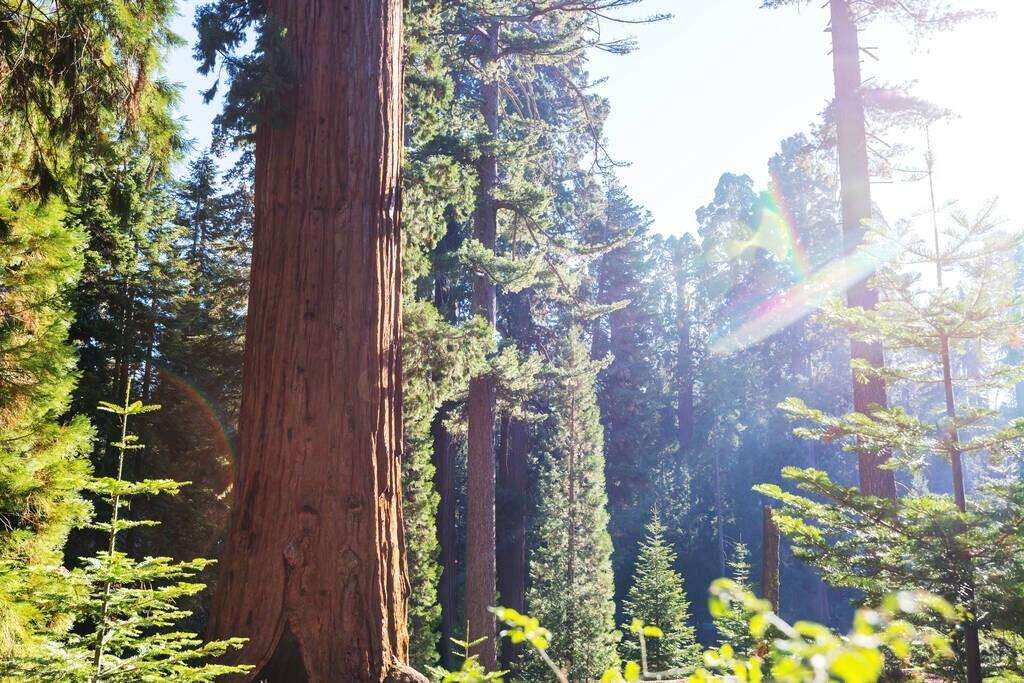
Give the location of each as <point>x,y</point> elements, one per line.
<point>627,369</point>
<point>657,598</point>
<point>969,556</point>
<point>441,351</point>
<point>120,616</point>
<point>791,653</point>
<point>731,622</point>
<point>41,461</point>
<point>571,582</point>
<point>191,359</point>
<point>632,401</point>
<point>79,93</point>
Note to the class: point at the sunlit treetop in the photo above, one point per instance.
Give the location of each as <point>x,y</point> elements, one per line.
<point>77,77</point>
<point>920,16</point>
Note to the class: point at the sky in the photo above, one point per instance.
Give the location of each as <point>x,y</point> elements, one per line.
<point>716,88</point>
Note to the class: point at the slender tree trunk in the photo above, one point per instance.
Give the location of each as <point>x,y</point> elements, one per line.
<point>513,490</point>
<point>972,647</point>
<point>770,588</point>
<point>684,353</point>
<point>313,571</point>
<point>514,476</point>
<point>480,530</point>
<point>444,472</point>
<point>856,206</point>
<point>148,374</point>
<point>444,482</point>
<point>719,516</point>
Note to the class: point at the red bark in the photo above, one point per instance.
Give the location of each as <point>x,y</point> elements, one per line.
<point>480,465</point>
<point>856,207</point>
<point>313,572</point>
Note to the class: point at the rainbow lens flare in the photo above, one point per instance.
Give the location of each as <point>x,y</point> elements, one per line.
<point>776,234</point>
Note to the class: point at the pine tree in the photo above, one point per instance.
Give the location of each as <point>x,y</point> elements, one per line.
<point>190,359</point>
<point>121,619</point>
<point>960,546</point>
<point>571,582</point>
<point>77,78</point>
<point>635,443</point>
<point>657,598</point>
<point>522,76</point>
<point>732,624</point>
<point>130,271</point>
<point>441,351</point>
<point>850,113</point>
<point>42,468</point>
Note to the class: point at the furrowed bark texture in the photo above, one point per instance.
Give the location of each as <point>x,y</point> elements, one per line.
<point>313,572</point>
<point>480,459</point>
<point>856,206</point>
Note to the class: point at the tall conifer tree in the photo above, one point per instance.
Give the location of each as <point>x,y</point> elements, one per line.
<point>657,598</point>
<point>571,583</point>
<point>77,78</point>
<point>849,113</point>
<point>943,544</point>
<point>323,358</point>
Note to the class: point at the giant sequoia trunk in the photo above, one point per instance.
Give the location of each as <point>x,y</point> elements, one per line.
<point>856,205</point>
<point>480,466</point>
<point>313,571</point>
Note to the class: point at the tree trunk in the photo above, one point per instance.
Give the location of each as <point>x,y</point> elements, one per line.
<point>480,469</point>
<point>513,472</point>
<point>770,559</point>
<point>513,487</point>
<point>313,571</point>
<point>972,645</point>
<point>444,469</point>
<point>511,517</point>
<point>684,353</point>
<point>856,206</point>
<point>148,369</point>
<point>719,516</point>
<point>444,482</point>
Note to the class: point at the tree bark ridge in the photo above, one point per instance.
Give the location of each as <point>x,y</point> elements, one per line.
<point>313,571</point>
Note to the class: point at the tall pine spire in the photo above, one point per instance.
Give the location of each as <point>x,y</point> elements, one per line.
<point>571,586</point>
<point>658,598</point>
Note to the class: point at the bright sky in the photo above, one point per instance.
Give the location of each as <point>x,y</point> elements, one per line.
<point>717,88</point>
